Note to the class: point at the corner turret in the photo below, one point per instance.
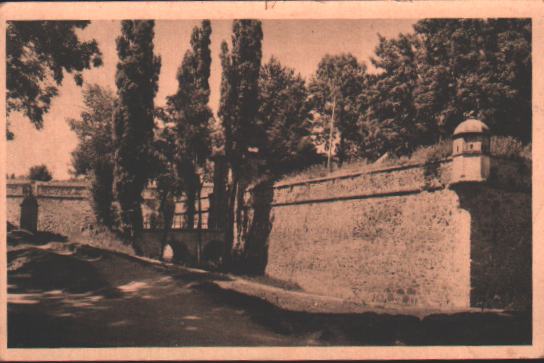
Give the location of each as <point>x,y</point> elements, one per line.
<point>471,149</point>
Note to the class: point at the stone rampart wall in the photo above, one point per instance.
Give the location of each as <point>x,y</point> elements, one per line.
<point>63,207</point>
<point>400,236</point>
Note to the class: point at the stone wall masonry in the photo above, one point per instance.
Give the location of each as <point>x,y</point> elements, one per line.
<point>65,216</point>
<point>389,237</point>
<point>505,174</point>
<point>392,251</point>
<point>65,191</point>
<point>183,242</point>
<point>399,236</point>
<point>399,179</point>
<point>501,249</point>
<point>63,207</point>
<point>13,209</point>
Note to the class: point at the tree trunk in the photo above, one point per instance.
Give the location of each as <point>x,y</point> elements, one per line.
<point>217,215</point>
<point>341,154</point>
<point>136,221</point>
<point>229,227</point>
<point>190,198</point>
<point>167,207</point>
<point>331,133</point>
<point>199,226</point>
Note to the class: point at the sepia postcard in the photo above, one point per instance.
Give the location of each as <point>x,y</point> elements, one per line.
<point>271,180</point>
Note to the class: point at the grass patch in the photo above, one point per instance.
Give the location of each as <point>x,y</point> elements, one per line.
<point>101,237</point>
<point>270,281</point>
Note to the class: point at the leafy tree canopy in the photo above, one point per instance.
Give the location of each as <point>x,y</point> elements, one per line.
<point>93,129</point>
<point>192,116</point>
<point>93,155</point>
<point>447,70</point>
<point>38,53</point>
<point>283,119</point>
<point>337,85</point>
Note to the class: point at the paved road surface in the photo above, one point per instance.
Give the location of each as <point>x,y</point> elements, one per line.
<point>66,295</point>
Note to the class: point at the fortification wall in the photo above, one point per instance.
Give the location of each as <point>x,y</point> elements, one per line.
<point>399,236</point>
<point>67,217</point>
<point>15,196</point>
<point>63,207</point>
<point>395,250</point>
<point>501,250</point>
<point>13,210</point>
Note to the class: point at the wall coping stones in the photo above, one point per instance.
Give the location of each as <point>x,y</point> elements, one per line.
<point>388,169</point>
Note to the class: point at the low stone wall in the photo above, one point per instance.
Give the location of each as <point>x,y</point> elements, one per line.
<point>65,216</point>
<point>63,207</point>
<point>13,209</point>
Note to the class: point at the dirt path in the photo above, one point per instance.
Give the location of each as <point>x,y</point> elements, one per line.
<point>87,297</point>
<point>66,295</point>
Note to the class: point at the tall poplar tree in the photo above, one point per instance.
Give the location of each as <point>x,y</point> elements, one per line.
<point>192,116</point>
<point>238,111</point>
<point>136,79</point>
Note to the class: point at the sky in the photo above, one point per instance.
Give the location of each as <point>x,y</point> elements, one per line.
<point>299,44</point>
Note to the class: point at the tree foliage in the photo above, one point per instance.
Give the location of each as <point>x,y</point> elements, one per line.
<point>389,122</point>
<point>93,155</point>
<point>38,53</point>
<point>239,90</point>
<point>238,111</point>
<point>166,181</point>
<point>283,120</point>
<point>479,66</point>
<point>447,70</point>
<point>192,115</point>
<point>40,173</point>
<point>136,79</point>
<point>336,85</point>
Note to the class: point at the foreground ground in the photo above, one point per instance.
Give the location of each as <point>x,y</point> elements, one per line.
<point>68,295</point>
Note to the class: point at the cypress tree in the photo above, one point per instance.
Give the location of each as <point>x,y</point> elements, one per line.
<point>238,111</point>
<point>136,79</point>
<point>192,116</point>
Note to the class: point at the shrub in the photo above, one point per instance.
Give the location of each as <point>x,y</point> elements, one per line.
<point>40,173</point>
<point>510,148</point>
<point>432,153</point>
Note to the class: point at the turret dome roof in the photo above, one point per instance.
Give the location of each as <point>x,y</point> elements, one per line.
<point>471,126</point>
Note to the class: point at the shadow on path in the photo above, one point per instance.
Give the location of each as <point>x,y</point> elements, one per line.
<point>77,296</point>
